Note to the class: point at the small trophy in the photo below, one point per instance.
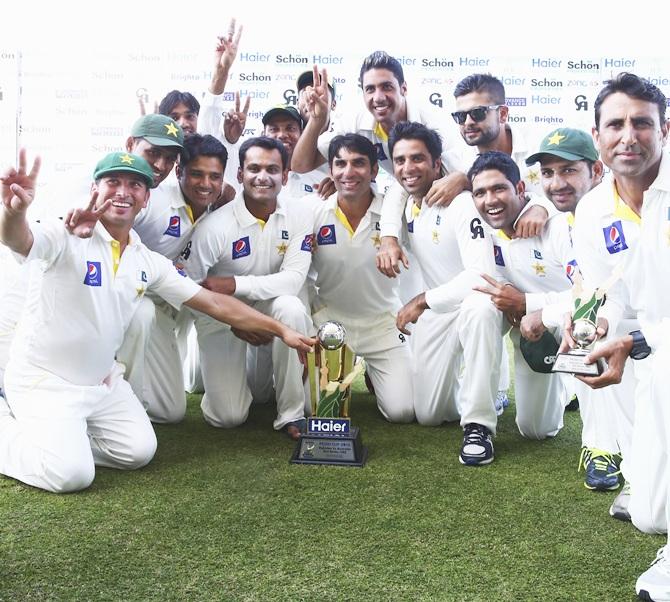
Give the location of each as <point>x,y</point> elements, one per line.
<point>584,320</point>
<point>330,438</point>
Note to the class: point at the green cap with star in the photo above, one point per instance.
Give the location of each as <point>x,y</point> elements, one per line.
<point>124,163</point>
<point>159,130</point>
<point>566,143</point>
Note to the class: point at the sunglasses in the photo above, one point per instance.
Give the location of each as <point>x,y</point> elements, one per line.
<point>476,113</point>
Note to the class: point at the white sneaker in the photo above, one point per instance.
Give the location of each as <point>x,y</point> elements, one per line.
<point>619,507</point>
<point>654,583</point>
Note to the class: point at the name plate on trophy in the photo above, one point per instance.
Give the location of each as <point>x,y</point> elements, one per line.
<point>330,438</point>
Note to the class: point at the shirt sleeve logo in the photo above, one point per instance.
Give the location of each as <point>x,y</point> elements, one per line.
<point>571,270</point>
<point>93,274</point>
<point>174,227</point>
<point>241,248</point>
<point>307,243</point>
<point>615,241</point>
<point>326,235</point>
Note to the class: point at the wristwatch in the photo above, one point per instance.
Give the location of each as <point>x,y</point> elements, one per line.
<point>640,348</point>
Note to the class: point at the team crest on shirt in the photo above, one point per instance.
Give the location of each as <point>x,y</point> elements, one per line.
<point>438,219</point>
<point>410,227</point>
<point>498,256</point>
<point>241,247</point>
<point>537,254</point>
<point>307,243</point>
<point>174,227</point>
<point>615,241</point>
<point>284,234</point>
<point>93,274</point>
<point>308,188</point>
<point>326,235</point>
<point>571,270</point>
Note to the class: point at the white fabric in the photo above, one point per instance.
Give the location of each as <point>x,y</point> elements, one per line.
<point>59,431</point>
<point>538,267</point>
<point>76,323</point>
<point>164,225</point>
<point>223,360</point>
<point>270,265</point>
<point>276,260</point>
<point>607,414</point>
<point>352,291</point>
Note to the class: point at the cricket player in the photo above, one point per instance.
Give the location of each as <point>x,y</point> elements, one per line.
<point>631,131</point>
<point>259,249</point>
<point>458,331</point>
<point>529,274</point>
<point>570,168</point>
<point>151,348</point>
<point>349,288</point>
<point>68,407</point>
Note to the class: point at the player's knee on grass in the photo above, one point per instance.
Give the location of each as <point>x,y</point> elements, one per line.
<point>221,414</point>
<point>530,430</point>
<point>65,475</point>
<point>140,452</point>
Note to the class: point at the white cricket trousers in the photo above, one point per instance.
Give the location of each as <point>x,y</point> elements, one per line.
<point>465,342</point>
<point>608,413</point>
<point>647,463</point>
<point>154,366</point>
<point>540,398</point>
<point>387,356</point>
<point>59,431</point>
<point>223,360</point>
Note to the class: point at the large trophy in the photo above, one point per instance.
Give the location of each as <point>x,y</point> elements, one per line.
<point>584,320</point>
<point>330,438</point>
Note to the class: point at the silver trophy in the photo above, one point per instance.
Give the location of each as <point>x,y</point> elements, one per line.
<point>330,438</point>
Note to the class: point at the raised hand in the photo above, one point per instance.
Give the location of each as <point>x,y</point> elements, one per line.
<point>18,185</point>
<point>226,48</point>
<point>316,95</point>
<point>81,222</point>
<point>235,120</point>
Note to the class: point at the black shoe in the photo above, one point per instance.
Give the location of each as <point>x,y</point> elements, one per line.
<point>477,448</point>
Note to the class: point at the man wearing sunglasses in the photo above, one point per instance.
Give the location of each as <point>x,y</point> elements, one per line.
<point>482,118</point>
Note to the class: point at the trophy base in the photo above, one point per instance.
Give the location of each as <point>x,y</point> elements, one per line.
<point>572,362</point>
<point>337,450</point>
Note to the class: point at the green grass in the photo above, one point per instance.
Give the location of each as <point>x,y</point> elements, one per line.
<point>222,515</point>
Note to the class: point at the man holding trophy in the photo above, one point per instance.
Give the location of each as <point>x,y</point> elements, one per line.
<point>631,131</point>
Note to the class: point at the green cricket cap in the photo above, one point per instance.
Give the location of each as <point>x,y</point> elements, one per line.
<point>159,130</point>
<point>124,163</point>
<point>566,143</point>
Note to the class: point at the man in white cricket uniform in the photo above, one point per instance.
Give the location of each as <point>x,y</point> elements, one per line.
<point>631,130</point>
<point>569,169</point>
<point>457,331</point>
<point>165,226</point>
<point>258,248</point>
<point>532,272</point>
<point>68,407</point>
<point>482,119</point>
<point>349,288</point>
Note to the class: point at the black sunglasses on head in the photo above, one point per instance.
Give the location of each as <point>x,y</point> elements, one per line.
<point>476,113</point>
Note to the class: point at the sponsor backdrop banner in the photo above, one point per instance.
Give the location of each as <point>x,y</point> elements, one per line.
<point>73,103</point>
